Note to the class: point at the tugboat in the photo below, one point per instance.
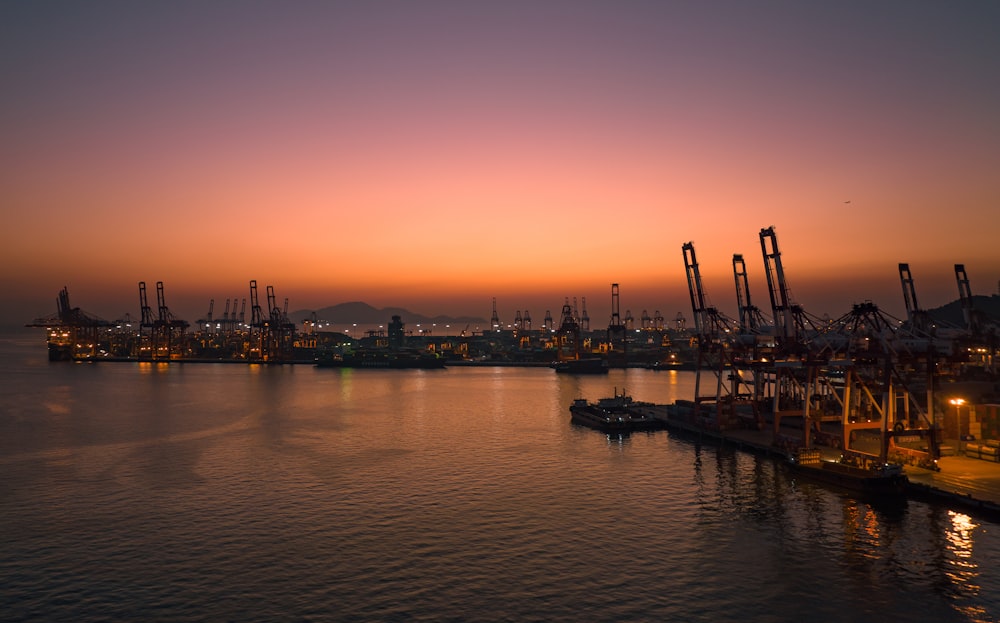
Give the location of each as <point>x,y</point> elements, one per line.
<point>611,415</point>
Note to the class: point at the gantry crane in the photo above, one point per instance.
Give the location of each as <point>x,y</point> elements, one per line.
<point>567,336</point>
<point>281,330</point>
<point>270,337</point>
<point>258,328</point>
<point>793,369</point>
<point>917,317</point>
<point>980,341</point>
<point>72,334</point>
<point>616,335</point>
<point>844,371</point>
<point>751,320</point>
<point>165,337</point>
<point>882,417</point>
<point>718,353</point>
<point>791,323</point>
<point>494,317</point>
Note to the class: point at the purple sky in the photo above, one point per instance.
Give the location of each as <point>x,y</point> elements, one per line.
<point>433,155</point>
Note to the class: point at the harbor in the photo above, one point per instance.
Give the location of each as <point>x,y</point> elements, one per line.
<point>855,401</point>
<point>373,312</point>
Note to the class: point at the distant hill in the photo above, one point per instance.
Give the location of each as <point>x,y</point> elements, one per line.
<point>951,313</point>
<point>363,313</point>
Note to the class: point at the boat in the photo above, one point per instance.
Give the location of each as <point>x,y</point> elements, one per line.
<point>611,415</point>
<point>851,472</point>
<point>381,358</point>
<point>588,365</point>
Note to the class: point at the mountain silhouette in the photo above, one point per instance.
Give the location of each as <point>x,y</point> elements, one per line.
<point>951,313</point>
<point>357,312</point>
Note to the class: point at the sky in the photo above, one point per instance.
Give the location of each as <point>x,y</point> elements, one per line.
<point>436,155</point>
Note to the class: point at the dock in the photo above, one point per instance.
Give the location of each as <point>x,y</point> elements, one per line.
<point>962,483</point>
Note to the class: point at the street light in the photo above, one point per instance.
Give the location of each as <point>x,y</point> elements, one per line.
<point>958,402</point>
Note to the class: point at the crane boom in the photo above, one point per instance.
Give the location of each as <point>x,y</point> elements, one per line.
<point>777,287</point>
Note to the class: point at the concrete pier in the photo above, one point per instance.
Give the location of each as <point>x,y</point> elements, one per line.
<point>962,483</point>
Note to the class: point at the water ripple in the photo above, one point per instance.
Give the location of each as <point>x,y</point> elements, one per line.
<point>466,495</point>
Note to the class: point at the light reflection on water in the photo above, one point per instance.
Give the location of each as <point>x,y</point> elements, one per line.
<point>193,492</point>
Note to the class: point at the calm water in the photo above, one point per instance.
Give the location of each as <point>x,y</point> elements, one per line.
<point>248,493</point>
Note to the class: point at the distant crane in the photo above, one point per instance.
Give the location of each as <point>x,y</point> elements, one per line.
<point>494,317</point>
<point>205,324</point>
<point>616,328</point>
<point>568,335</point>
<point>972,319</point>
<point>279,332</point>
<point>918,318</point>
<point>166,333</point>
<point>982,330</point>
<point>257,325</point>
<point>73,334</point>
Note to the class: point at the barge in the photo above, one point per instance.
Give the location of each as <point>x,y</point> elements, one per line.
<point>589,365</point>
<point>880,481</point>
<point>613,415</point>
<point>376,358</point>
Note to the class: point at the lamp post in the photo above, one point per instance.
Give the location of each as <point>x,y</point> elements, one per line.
<point>958,402</point>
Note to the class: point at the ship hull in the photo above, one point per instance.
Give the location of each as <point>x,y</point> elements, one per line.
<point>888,483</point>
<point>611,415</point>
<point>384,360</point>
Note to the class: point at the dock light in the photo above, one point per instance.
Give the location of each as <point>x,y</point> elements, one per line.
<point>958,402</point>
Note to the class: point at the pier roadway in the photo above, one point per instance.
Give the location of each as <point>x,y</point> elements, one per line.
<point>968,482</point>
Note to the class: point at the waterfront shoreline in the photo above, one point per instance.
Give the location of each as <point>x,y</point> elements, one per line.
<point>967,484</point>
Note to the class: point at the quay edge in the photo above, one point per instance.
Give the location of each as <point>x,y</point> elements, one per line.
<point>963,484</point>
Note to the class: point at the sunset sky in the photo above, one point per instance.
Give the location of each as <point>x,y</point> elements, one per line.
<point>434,155</point>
